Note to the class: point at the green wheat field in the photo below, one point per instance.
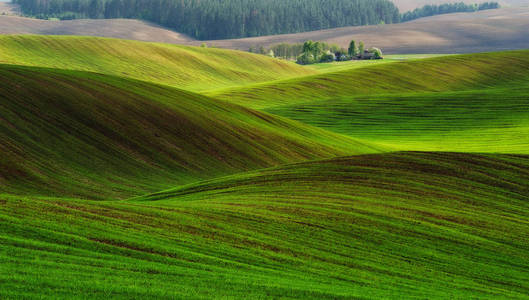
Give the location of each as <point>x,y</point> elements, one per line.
<point>133,170</point>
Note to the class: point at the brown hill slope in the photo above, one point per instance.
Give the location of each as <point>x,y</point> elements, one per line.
<point>405,5</point>
<point>116,28</point>
<point>492,30</point>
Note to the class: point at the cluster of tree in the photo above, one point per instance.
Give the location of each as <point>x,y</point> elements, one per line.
<point>318,52</point>
<point>293,51</point>
<point>285,50</point>
<point>219,19</point>
<point>432,10</point>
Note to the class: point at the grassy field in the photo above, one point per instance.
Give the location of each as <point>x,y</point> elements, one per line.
<point>190,68</point>
<point>488,120</point>
<point>74,133</point>
<point>425,225</point>
<point>116,188</point>
<point>450,73</point>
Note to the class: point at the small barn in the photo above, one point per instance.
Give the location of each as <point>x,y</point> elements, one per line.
<point>367,55</point>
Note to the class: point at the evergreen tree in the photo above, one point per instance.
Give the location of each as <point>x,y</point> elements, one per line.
<point>220,19</point>
<point>352,51</point>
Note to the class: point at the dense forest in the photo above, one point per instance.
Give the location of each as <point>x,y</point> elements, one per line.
<point>432,10</point>
<point>222,19</point>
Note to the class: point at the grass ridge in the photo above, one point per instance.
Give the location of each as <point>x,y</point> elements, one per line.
<point>185,67</point>
<point>437,74</point>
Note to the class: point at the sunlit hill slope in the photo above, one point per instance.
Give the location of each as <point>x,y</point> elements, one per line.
<point>191,68</point>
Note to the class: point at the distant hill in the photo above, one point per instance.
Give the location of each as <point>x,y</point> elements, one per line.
<point>406,5</point>
<point>491,30</point>
<point>128,29</point>
<point>221,19</point>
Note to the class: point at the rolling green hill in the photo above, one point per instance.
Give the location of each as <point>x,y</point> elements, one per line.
<point>190,68</point>
<point>414,225</point>
<point>201,198</point>
<point>488,120</point>
<point>449,73</point>
<point>465,103</point>
<point>83,134</point>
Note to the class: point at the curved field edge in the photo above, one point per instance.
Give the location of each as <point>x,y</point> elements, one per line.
<point>448,73</point>
<point>81,134</point>
<point>185,67</point>
<point>427,225</point>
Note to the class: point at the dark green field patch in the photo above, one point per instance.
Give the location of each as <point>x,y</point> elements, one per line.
<point>89,135</point>
<point>426,225</point>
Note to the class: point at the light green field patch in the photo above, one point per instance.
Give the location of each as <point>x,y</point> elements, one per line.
<point>488,120</point>
<point>185,67</point>
<point>438,74</point>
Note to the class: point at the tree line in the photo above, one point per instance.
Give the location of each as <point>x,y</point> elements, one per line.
<point>315,52</point>
<point>293,51</point>
<point>221,19</point>
<point>432,10</point>
<point>319,52</point>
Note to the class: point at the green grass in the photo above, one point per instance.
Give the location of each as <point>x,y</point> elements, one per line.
<point>487,120</point>
<point>190,68</point>
<point>450,73</point>
<point>402,225</point>
<point>200,198</point>
<point>80,134</point>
